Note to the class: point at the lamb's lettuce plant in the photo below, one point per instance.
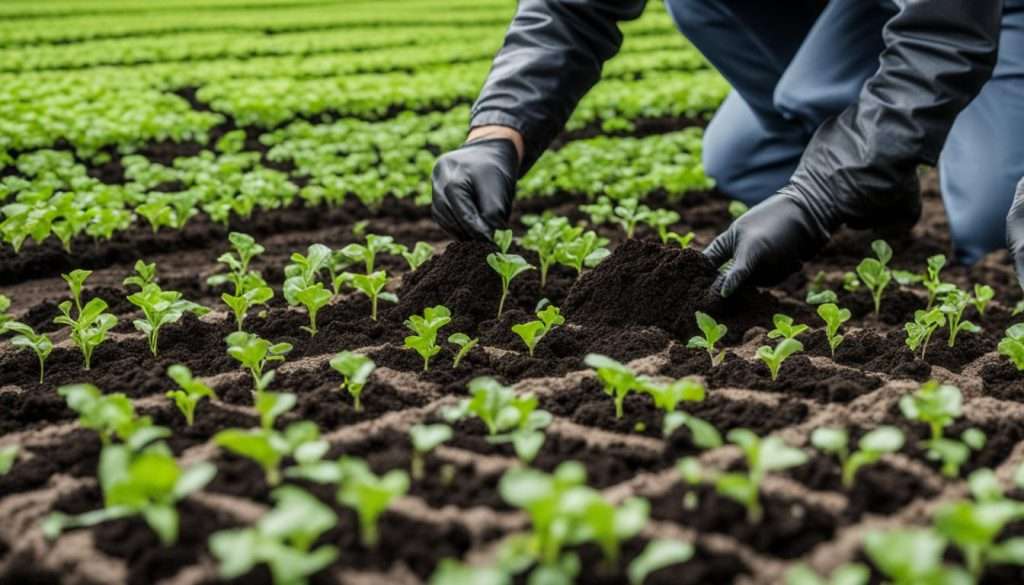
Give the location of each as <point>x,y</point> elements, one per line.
<point>251,291</point>
<point>983,295</point>
<point>465,344</point>
<point>932,280</point>
<point>875,273</point>
<point>545,236</point>
<point>356,370</point>
<point>587,250</point>
<point>508,266</point>
<point>89,324</point>
<point>938,405</point>
<point>713,333</point>
<point>189,393</point>
<point>26,337</point>
<point>834,317</point>
<point>617,378</point>
<point>667,398</point>
<point>424,439</point>
<point>372,285</point>
<point>785,328</point>
<point>245,249</point>
<point>773,357</point>
<point>661,220</point>
<point>112,416</point>
<point>145,274</point>
<point>302,285</point>
<point>426,327</point>
<point>367,253</point>
<point>1012,345</point>
<point>818,293</point>
<point>682,240</point>
<point>160,307</point>
<point>418,256</point>
<point>953,307</point>
<point>509,417</point>
<point>762,456</point>
<point>369,494</point>
<point>871,447</point>
<point>919,332</point>
<point>268,447</point>
<point>912,557</point>
<point>254,354</point>
<point>532,332</point>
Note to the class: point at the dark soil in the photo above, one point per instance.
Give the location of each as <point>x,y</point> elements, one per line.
<point>797,376</point>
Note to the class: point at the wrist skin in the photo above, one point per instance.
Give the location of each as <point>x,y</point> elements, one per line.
<point>490,132</point>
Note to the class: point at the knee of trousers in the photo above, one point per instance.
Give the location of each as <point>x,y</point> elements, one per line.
<point>691,17</point>
<point>977,205</point>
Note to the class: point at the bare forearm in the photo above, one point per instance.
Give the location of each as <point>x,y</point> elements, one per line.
<point>492,131</point>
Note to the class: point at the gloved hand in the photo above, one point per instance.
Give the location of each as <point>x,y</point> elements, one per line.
<point>1015,232</point>
<point>474,187</point>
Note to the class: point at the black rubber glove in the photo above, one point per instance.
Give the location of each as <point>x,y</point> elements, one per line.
<point>474,187</point>
<point>1015,232</point>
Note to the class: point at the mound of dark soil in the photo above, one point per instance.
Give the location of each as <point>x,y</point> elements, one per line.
<point>645,283</point>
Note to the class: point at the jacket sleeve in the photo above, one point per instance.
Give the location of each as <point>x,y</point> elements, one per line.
<point>861,165</point>
<point>552,56</point>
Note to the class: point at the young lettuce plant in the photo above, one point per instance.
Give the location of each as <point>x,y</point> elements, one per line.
<point>658,554</point>
<point>146,482</point>
<point>932,281</point>
<point>252,291</point>
<point>282,540</point>
<point>189,393</point>
<point>424,439</point>
<point>367,254</point>
<point>112,416</point>
<point>356,369</point>
<point>465,345</point>
<point>762,456</point>
<point>26,337</point>
<point>532,332</point>
<point>713,333</point>
<point>245,249</point>
<point>426,328</point>
<point>662,220</point>
<point>785,328</point>
<point>919,332</point>
<point>302,285</point>
<point>669,396</point>
<point>91,323</point>
<point>737,209</point>
<point>818,293</point>
<point>159,308</point>
<point>874,272</point>
<point>938,405</point>
<point>145,274</point>
<point>418,256</point>
<point>268,447</point>
<point>509,417</point>
<point>1012,345</point>
<point>912,557</point>
<point>254,353</point>
<point>587,250</point>
<point>834,317</point>
<point>983,295</point>
<point>544,237</point>
<point>508,266</point>
<point>372,285</point>
<point>618,379</point>
<point>871,448</point>
<point>773,357</point>
<point>369,494</point>
<point>953,307</point>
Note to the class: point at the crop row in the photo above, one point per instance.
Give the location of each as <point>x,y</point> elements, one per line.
<point>63,8</point>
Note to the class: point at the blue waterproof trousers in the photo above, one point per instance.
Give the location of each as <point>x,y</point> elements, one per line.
<point>791,68</point>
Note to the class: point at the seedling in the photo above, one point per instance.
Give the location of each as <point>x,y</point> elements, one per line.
<point>692,474</point>
<point>426,328</point>
<point>668,397</point>
<point>418,256</point>
<point>983,295</point>
<point>282,539</point>
<point>302,286</point>
<point>850,282</point>
<point>465,345</point>
<point>532,332</point>
<point>254,353</point>
<point>953,307</point>
<point>833,317</point>
<point>871,448</point>
<point>850,574</point>
<point>713,333</point>
<point>1012,346</point>
<point>544,237</point>
<point>509,417</point>
<point>148,483</point>
<point>91,324</point>
<point>246,249</point>
<point>874,272</point>
<point>973,526</point>
<point>919,332</point>
<point>618,379</point>
<point>657,555</point>
<point>145,274</point>
<point>661,220</point>
<point>112,416</point>
<point>588,250</point>
<point>189,393</point>
<point>356,370</point>
<point>453,572</point>
<point>773,357</point>
<point>252,290</point>
<point>818,294</point>
<point>508,266</point>
<point>39,343</point>
<point>762,456</point>
<point>503,240</point>
<point>370,495</point>
<point>159,308</point>
<point>367,254</point>
<point>737,209</point>
<point>785,328</point>
<point>268,447</point>
<point>8,455</point>
<point>932,281</point>
<point>938,406</point>
<point>912,557</point>
<point>372,285</point>
<point>683,240</point>
<point>424,439</point>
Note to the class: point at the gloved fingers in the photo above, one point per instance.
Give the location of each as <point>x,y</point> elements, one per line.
<point>442,214</point>
<point>733,278</point>
<point>722,248</point>
<point>468,217</point>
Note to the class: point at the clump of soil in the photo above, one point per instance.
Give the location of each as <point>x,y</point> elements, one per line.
<point>645,283</point>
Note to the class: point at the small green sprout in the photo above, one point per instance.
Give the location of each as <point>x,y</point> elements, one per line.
<point>159,308</point>
<point>912,557</point>
<point>938,405</point>
<point>254,353</point>
<point>618,379</point>
<point>370,495</point>
<point>817,293</point>
<point>588,250</point>
<point>657,555</point>
<point>662,220</point>
<point>302,286</point>
<point>91,324</point>
<point>252,290</point>
<point>453,572</point>
<point>246,249</point>
<point>112,416</point>
<point>628,213</point>
<point>508,266</point>
<point>268,447</point>
<point>850,282</point>
<point>737,209</point>
<point>282,540</point>
<point>919,332</point>
<point>667,397</point>
<point>871,448</point>
<point>39,343</point>
<point>544,237</point>
<point>906,278</point>
<point>773,357</point>
<point>953,307</point>
<point>983,295</point>
<point>8,455</point>
<point>465,345</point>
<point>418,256</point>
<point>874,272</point>
<point>834,317</point>
<point>682,240</point>
<point>713,333</point>
<point>148,483</point>
<point>932,281</point>
<point>5,317</point>
<point>426,328</point>
<point>1012,346</point>
<point>532,332</point>
<point>368,253</point>
<point>850,574</point>
<point>372,285</point>
<point>424,439</point>
<point>190,391</point>
<point>356,370</point>
<point>785,328</point>
<point>692,473</point>
<point>145,274</point>
<point>509,417</point>
<point>762,456</point>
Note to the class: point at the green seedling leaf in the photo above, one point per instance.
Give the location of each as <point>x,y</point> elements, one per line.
<point>372,285</point>
<point>773,357</point>
<point>8,455</point>
<point>426,327</point>
<point>508,266</point>
<point>713,333</point>
<point>424,439</point>
<point>657,555</point>
<point>465,345</point>
<point>1012,345</point>
<point>189,393</point>
<point>369,494</point>
<point>920,331</point>
<point>618,379</point>
<point>356,370</point>
<point>834,317</point>
<point>419,255</point>
<point>26,337</point>
<point>587,250</point>
<point>785,328</point>
<point>762,456</point>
